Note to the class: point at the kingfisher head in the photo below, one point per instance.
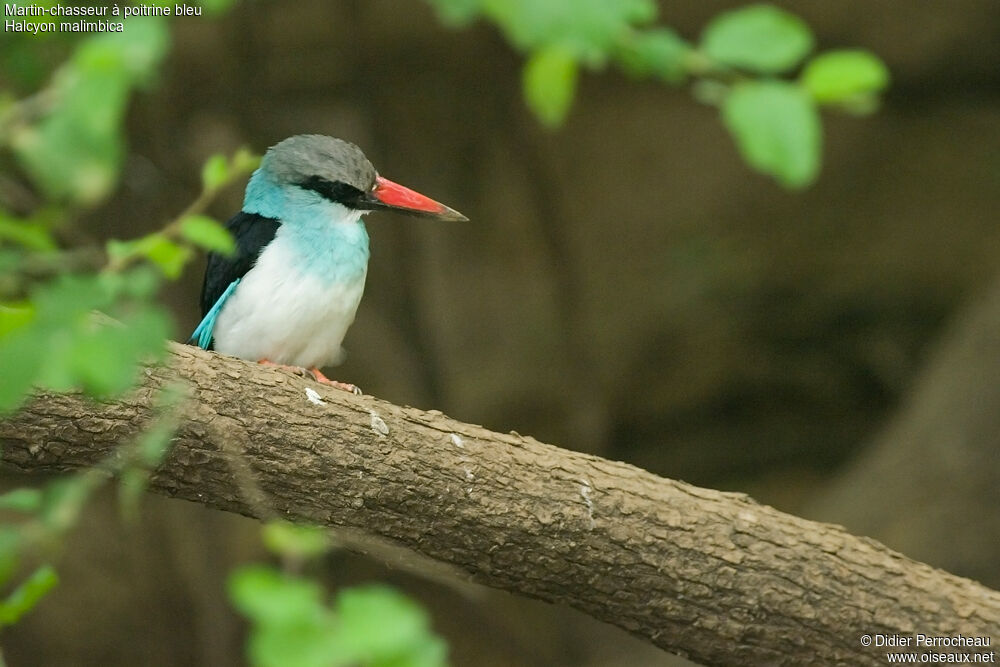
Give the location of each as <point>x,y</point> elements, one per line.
<point>336,171</point>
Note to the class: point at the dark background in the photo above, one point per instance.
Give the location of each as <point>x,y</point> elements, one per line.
<point>626,286</point>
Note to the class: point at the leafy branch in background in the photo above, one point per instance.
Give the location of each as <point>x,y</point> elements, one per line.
<point>49,335</point>
<point>75,316</point>
<point>293,624</point>
<point>743,64</point>
<point>69,140</point>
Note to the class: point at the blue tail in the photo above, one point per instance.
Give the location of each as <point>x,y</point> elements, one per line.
<point>203,332</point>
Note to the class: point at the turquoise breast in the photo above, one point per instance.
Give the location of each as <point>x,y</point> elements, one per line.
<point>329,240</point>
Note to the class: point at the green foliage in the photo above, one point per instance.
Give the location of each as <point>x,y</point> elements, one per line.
<point>219,171</point>
<point>294,540</point>
<point>67,322</point>
<point>24,500</point>
<point>205,232</point>
<point>378,626</point>
<point>293,626</point>
<point>777,128</point>
<point>33,234</point>
<point>759,38</point>
<point>658,52</point>
<point>11,540</point>
<point>734,64</point>
<point>549,83</point>
<point>14,315</point>
<point>74,151</point>
<point>848,77</point>
<point>63,345</point>
<point>559,36</point>
<point>166,248</point>
<point>27,594</point>
<point>215,172</point>
<point>168,256</point>
<point>457,13</point>
<point>589,29</point>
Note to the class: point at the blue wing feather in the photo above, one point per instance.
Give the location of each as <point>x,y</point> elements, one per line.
<point>252,233</point>
<point>222,274</point>
<point>202,334</point>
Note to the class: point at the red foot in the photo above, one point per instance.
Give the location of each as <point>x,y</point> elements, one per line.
<point>316,375</point>
<point>343,386</point>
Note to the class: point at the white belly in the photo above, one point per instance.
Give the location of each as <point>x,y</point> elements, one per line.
<point>279,314</point>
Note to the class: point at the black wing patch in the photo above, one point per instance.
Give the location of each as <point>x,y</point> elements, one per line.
<point>252,233</point>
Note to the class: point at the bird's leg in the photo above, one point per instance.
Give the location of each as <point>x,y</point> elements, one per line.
<point>315,374</point>
<point>345,386</point>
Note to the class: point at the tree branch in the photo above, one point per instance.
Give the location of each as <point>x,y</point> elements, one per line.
<point>710,575</point>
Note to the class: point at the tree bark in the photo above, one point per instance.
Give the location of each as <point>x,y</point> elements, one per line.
<point>929,484</point>
<point>713,576</point>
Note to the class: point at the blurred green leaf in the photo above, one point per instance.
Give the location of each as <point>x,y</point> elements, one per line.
<point>168,256</point>
<point>207,233</point>
<point>379,626</point>
<point>21,358</point>
<point>61,308</point>
<point>309,643</point>
<point>269,597</point>
<point>759,38</point>
<point>659,52</point>
<point>140,282</point>
<point>10,260</point>
<point>367,626</point>
<point>295,540</point>
<point>215,172</point>
<point>65,345</point>
<point>15,315</point>
<point>588,29</point>
<point>549,84</point>
<point>136,51</point>
<point>96,363</point>
<point>26,500</point>
<point>74,153</point>
<point>103,360</point>
<point>120,250</point>
<point>844,76</point>
<point>244,161</point>
<point>31,234</point>
<point>10,546</point>
<point>24,598</point>
<point>777,129</point>
<point>457,13</point>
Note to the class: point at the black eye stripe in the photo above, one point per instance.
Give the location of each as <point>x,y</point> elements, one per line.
<point>335,191</point>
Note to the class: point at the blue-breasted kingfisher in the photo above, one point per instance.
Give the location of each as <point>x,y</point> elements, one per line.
<point>290,291</point>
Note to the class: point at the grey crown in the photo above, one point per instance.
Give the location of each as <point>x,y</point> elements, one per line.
<point>305,156</point>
